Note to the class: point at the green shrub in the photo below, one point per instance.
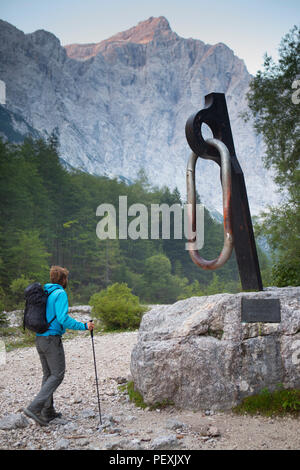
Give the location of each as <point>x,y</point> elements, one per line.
<point>117,307</point>
<point>17,288</point>
<point>3,319</point>
<point>286,272</point>
<point>279,402</point>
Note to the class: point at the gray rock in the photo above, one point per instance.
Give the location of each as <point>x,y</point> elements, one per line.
<point>109,424</point>
<point>112,445</point>
<point>15,318</point>
<point>114,430</point>
<point>59,421</point>
<point>62,444</point>
<point>164,442</point>
<point>130,418</point>
<point>197,354</point>
<point>174,424</point>
<point>14,421</point>
<point>213,431</point>
<point>70,427</point>
<point>117,444</point>
<point>208,430</point>
<point>82,442</point>
<point>89,413</point>
<point>110,419</point>
<point>124,444</point>
<point>135,444</point>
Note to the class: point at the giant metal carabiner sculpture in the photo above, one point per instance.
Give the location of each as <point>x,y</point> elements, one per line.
<point>236,213</point>
<point>226,190</point>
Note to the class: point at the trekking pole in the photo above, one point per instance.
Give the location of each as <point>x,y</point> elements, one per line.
<point>96,376</point>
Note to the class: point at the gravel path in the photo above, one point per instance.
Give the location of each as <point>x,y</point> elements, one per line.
<point>125,425</point>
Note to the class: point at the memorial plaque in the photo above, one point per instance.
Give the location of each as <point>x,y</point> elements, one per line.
<point>260,310</point>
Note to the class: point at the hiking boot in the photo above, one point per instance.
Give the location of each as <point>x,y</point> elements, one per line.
<point>37,417</point>
<point>50,415</point>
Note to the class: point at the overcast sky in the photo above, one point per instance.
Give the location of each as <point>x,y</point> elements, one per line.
<point>249,27</point>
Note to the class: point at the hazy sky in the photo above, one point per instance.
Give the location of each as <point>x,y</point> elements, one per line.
<point>249,27</point>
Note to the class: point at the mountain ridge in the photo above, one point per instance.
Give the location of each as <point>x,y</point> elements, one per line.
<point>143,33</point>
<point>125,107</point>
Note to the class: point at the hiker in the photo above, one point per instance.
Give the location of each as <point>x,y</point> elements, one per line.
<point>50,348</point>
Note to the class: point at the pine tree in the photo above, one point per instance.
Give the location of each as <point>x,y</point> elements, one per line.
<point>277,116</point>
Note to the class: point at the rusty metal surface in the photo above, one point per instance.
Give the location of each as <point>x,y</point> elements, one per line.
<point>226,193</point>
<point>215,115</point>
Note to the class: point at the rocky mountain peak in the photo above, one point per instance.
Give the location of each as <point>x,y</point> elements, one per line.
<point>42,38</point>
<point>143,33</point>
<point>126,109</point>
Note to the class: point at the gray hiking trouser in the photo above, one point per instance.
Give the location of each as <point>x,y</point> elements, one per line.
<point>52,356</point>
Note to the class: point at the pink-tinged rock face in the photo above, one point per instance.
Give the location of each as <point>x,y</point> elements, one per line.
<point>143,33</point>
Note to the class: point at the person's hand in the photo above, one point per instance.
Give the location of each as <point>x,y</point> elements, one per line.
<point>90,325</point>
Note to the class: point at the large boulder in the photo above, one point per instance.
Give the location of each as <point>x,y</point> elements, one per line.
<point>198,354</point>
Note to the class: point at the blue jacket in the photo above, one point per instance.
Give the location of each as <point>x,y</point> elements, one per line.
<point>57,304</point>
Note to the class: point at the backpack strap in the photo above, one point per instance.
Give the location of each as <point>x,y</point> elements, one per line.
<point>57,288</point>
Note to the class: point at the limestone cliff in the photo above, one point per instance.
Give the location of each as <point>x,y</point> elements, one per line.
<point>122,104</point>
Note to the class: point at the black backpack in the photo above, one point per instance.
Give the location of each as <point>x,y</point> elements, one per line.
<point>35,308</point>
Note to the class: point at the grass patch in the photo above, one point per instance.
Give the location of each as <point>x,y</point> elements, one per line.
<point>136,398</point>
<point>281,402</point>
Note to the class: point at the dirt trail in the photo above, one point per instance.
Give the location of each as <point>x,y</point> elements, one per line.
<point>126,426</point>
